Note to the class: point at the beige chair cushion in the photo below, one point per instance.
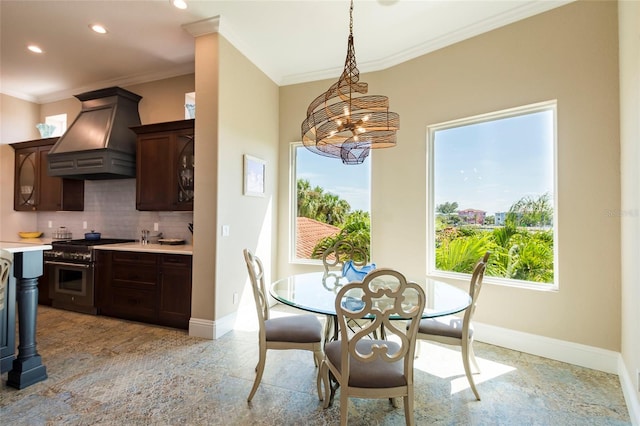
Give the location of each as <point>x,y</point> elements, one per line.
<point>296,328</point>
<point>449,326</point>
<point>375,374</point>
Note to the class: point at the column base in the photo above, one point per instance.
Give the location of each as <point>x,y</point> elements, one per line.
<point>27,373</point>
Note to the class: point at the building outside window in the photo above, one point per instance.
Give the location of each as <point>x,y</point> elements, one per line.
<point>329,200</point>
<point>492,188</point>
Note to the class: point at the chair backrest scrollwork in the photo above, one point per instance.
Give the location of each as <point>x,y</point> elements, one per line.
<point>385,297</point>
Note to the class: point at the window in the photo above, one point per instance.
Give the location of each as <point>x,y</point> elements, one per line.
<point>60,123</point>
<point>328,199</point>
<point>492,187</point>
<point>189,105</point>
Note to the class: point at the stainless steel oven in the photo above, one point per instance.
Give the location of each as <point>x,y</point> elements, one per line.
<point>70,267</point>
<point>71,286</point>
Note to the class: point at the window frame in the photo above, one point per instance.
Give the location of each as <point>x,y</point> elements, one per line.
<point>551,105</point>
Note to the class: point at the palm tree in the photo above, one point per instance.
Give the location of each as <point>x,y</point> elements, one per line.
<point>533,212</point>
<point>308,199</point>
<point>355,230</point>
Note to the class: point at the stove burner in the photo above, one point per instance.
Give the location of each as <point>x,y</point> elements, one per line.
<point>79,250</point>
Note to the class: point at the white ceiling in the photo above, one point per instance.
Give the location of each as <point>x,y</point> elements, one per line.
<point>290,41</point>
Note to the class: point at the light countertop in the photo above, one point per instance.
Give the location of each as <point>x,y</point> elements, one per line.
<point>38,244</point>
<point>20,247</point>
<point>148,248</point>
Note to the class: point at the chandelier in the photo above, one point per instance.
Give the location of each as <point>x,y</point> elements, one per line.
<point>344,122</point>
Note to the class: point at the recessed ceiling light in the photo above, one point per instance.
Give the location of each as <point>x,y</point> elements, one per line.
<point>98,28</point>
<point>180,4</point>
<point>34,48</point>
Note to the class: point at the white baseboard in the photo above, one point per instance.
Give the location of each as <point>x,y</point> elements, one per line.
<point>630,392</point>
<point>224,325</point>
<point>560,350</point>
<point>211,330</point>
<point>201,328</point>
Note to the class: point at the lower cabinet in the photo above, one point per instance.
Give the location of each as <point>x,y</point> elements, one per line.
<point>146,287</point>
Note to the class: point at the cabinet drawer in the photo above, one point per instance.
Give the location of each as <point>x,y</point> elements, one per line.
<point>134,257</point>
<point>177,260</point>
<point>136,277</point>
<point>134,304</point>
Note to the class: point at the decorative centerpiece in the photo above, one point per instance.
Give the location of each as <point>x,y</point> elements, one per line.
<point>46,130</point>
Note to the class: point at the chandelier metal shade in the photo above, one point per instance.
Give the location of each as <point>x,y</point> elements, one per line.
<point>344,122</point>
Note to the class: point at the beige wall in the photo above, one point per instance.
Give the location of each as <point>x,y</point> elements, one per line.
<point>162,100</point>
<point>569,54</point>
<point>629,13</point>
<point>18,119</point>
<point>248,125</point>
<point>206,182</point>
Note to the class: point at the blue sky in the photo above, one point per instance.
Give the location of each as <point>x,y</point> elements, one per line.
<point>491,165</point>
<point>349,182</point>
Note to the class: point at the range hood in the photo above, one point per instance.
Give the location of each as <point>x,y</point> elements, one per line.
<point>99,144</point>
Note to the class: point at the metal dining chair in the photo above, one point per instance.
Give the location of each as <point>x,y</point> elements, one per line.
<point>366,368</point>
<point>291,332</point>
<point>6,259</point>
<point>455,331</point>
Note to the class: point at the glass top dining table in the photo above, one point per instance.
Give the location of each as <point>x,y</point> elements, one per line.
<point>316,291</point>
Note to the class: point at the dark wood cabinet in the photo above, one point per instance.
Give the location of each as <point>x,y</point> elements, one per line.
<point>146,287</point>
<point>165,166</point>
<point>34,189</point>
<point>174,304</point>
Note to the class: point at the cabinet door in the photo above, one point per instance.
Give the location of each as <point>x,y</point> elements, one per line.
<point>56,193</point>
<point>185,169</point>
<point>35,189</point>
<point>50,195</point>
<point>154,177</point>
<point>175,291</point>
<point>26,175</point>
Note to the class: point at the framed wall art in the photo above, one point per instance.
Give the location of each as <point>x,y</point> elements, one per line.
<point>254,171</point>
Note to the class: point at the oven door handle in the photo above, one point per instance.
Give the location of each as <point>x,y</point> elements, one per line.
<point>73,265</point>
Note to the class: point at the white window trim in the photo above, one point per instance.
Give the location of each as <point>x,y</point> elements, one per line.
<point>293,209</point>
<point>507,113</point>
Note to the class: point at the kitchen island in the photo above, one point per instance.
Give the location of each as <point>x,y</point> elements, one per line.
<point>22,292</point>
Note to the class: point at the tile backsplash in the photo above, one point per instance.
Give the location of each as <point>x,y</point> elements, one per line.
<point>110,208</point>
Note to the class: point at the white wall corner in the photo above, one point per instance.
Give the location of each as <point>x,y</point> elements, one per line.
<point>559,350</point>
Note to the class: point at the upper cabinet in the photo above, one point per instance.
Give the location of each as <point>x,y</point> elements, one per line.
<point>34,189</point>
<point>165,166</point>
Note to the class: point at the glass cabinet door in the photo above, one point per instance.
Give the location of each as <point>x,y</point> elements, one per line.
<point>185,169</point>
<point>26,179</point>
